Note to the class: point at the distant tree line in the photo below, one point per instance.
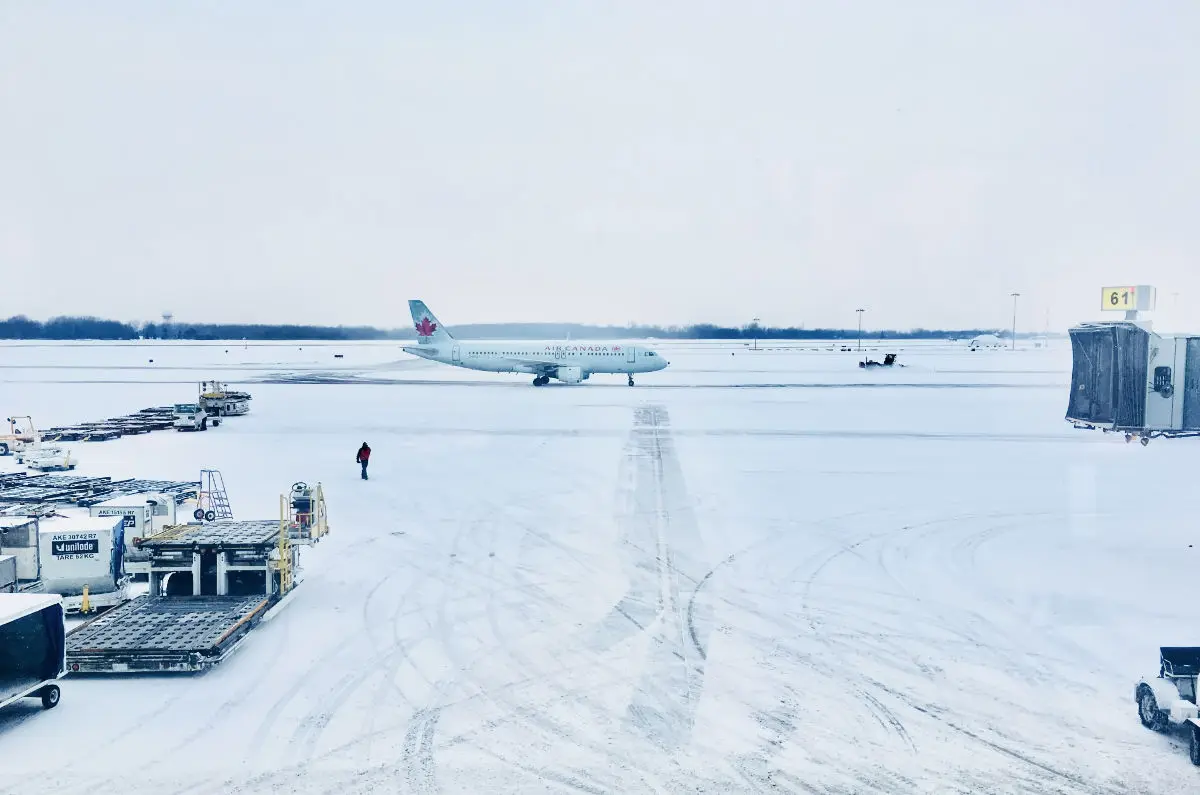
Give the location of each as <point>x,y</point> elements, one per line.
<point>91,328</point>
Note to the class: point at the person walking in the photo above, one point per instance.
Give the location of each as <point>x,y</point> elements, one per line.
<point>364,455</point>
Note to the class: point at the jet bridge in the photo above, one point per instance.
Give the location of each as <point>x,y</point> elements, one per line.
<point>1127,379</point>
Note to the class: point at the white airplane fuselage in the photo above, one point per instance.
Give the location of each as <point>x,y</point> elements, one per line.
<point>570,362</point>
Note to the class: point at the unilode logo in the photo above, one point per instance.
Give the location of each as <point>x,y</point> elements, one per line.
<point>426,327</point>
<point>73,546</point>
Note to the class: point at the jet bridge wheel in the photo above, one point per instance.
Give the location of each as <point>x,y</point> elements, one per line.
<point>1148,712</point>
<point>51,695</point>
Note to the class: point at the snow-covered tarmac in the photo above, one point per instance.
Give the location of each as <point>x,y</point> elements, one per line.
<point>762,572</point>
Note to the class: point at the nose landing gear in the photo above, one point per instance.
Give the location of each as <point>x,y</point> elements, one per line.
<point>631,379</point>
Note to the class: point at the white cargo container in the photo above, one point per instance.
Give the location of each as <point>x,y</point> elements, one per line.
<point>84,552</point>
<point>8,574</point>
<point>19,538</point>
<point>143,515</point>
<point>32,648</point>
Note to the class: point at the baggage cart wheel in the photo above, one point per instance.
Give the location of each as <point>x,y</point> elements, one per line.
<point>198,514</point>
<point>50,696</point>
<point>210,516</point>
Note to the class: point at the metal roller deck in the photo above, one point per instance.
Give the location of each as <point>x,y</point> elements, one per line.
<point>165,634</point>
<point>225,533</point>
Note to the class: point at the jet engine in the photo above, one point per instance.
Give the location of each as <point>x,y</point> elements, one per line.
<point>569,375</point>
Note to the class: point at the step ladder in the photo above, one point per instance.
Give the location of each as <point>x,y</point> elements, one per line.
<point>212,501</point>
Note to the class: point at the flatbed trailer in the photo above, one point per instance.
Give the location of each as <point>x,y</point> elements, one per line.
<point>209,585</point>
<point>183,634</point>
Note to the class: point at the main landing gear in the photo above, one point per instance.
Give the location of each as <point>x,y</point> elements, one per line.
<point>541,380</point>
<point>631,379</point>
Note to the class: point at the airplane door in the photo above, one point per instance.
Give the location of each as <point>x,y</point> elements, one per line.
<point>454,354</point>
<point>630,355</point>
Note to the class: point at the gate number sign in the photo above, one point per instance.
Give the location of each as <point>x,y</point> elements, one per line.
<point>1127,299</point>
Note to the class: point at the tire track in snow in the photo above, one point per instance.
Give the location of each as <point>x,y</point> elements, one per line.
<point>574,696</point>
<point>664,701</point>
<point>518,706</point>
<point>969,543</point>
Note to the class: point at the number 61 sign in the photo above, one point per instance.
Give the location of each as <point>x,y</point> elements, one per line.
<point>1127,299</point>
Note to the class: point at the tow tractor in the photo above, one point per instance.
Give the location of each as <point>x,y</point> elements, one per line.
<point>32,451</point>
<point>17,438</point>
<point>1169,699</point>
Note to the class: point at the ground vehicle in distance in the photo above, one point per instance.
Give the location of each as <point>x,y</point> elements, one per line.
<point>17,437</point>
<point>192,417</point>
<point>218,400</point>
<point>1169,699</point>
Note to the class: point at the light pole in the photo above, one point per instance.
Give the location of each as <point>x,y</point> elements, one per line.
<point>1014,327</point>
<point>860,314</point>
<point>754,323</point>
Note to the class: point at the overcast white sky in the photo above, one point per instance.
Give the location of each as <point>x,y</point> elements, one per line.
<point>666,161</point>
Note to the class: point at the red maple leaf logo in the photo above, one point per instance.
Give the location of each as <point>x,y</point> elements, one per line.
<point>425,328</point>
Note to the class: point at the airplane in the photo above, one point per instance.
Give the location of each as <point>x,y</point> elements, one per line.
<point>569,362</point>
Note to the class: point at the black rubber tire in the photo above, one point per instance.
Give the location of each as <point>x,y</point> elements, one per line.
<point>210,516</point>
<point>1194,746</point>
<point>198,514</point>
<point>3,448</point>
<point>1145,441</point>
<point>1149,714</point>
<point>51,695</point>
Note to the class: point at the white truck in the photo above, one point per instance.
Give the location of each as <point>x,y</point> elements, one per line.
<point>143,516</point>
<point>192,417</point>
<point>1169,699</point>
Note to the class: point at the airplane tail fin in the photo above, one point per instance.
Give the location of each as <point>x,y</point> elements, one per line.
<point>429,328</point>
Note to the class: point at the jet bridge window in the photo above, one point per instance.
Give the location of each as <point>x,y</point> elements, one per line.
<point>1162,381</point>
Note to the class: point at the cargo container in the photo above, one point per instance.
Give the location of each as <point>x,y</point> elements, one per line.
<point>83,552</point>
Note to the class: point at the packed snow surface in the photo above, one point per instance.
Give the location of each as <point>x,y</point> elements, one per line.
<point>755,571</point>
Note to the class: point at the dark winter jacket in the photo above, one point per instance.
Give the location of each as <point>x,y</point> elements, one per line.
<point>364,453</point>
